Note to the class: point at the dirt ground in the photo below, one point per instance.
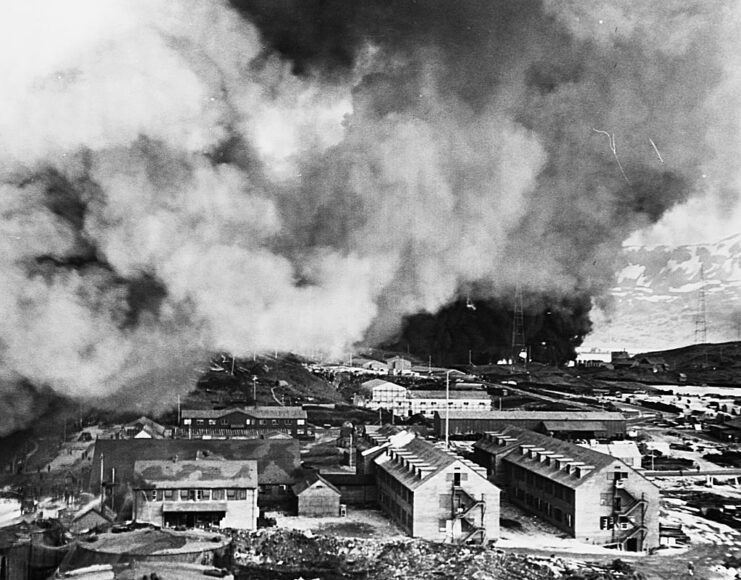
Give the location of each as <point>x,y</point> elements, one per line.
<point>357,524</point>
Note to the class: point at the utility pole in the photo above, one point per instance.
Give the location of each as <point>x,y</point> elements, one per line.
<point>447,408</point>
<point>254,390</point>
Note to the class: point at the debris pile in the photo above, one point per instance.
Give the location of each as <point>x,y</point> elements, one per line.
<point>289,550</point>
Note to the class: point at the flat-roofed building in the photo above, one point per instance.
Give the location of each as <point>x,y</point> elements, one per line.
<point>562,424</point>
<point>428,402</point>
<point>196,493</point>
<point>591,496</point>
<point>430,492</point>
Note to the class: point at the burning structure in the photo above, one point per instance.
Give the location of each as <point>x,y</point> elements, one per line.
<point>258,176</point>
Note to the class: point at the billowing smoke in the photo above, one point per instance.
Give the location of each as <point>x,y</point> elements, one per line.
<point>180,177</point>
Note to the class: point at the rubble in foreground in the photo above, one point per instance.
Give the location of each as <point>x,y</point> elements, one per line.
<point>316,556</point>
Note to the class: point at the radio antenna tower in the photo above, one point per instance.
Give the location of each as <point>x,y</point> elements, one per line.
<point>701,323</point>
<point>518,326</point>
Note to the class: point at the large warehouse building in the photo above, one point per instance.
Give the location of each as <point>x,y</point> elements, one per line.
<point>561,424</point>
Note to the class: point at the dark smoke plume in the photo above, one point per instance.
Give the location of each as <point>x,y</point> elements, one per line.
<point>183,177</point>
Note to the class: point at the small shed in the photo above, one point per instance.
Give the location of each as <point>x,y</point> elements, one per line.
<point>317,497</point>
<point>91,517</point>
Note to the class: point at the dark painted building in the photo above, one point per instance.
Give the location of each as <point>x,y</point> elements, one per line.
<point>245,421</point>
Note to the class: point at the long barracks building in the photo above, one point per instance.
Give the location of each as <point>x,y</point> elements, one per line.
<point>591,496</point>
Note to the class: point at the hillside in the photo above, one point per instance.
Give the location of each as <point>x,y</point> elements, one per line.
<point>657,299</point>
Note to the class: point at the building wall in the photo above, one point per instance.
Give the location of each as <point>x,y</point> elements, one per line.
<point>471,426</point>
<point>240,513</point>
<point>539,495</point>
<point>428,407</point>
<point>427,512</point>
<point>319,500</point>
<point>433,517</point>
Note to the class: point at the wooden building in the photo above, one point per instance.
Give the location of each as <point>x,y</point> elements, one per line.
<point>244,422</point>
<point>591,496</point>
<point>198,493</point>
<point>561,424</point>
<point>317,497</point>
<point>278,462</point>
<point>430,492</point>
<point>427,403</point>
<point>91,517</point>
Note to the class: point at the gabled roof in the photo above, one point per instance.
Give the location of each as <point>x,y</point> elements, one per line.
<point>415,461</point>
<point>373,383</point>
<point>310,480</point>
<point>457,395</point>
<point>270,412</point>
<point>149,425</point>
<point>202,473</point>
<point>514,438</point>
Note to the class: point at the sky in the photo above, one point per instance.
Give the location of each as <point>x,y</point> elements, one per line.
<point>180,178</point>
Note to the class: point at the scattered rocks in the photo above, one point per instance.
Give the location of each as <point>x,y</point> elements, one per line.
<point>371,559</point>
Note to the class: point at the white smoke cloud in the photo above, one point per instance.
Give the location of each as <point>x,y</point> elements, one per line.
<point>160,140</point>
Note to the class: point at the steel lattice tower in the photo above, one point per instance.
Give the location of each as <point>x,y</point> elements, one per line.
<point>701,324</point>
<point>518,326</point>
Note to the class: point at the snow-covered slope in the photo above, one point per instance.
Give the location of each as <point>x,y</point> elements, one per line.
<point>657,299</point>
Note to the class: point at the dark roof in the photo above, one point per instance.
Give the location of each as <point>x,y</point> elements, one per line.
<point>272,412</point>
<point>596,426</point>
<point>311,479</point>
<point>145,423</point>
<point>538,415</point>
<point>514,437</point>
<point>405,450</point>
<point>202,473</point>
<point>278,460</point>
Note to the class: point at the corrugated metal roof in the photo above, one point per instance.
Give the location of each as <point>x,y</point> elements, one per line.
<point>538,415</point>
<point>197,474</point>
<point>571,425</point>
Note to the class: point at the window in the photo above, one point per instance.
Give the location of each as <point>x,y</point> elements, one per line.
<point>231,494</point>
<point>224,422</point>
<point>186,421</point>
<point>274,421</point>
<point>569,520</point>
<point>212,422</point>
<point>248,421</point>
<point>442,525</point>
<point>169,493</point>
<point>606,523</point>
<point>203,494</point>
<point>183,494</point>
<point>299,431</point>
<point>217,494</point>
<point>199,421</point>
<point>154,495</point>
<point>604,499</point>
<point>242,493</point>
<point>300,421</point>
<point>261,421</point>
